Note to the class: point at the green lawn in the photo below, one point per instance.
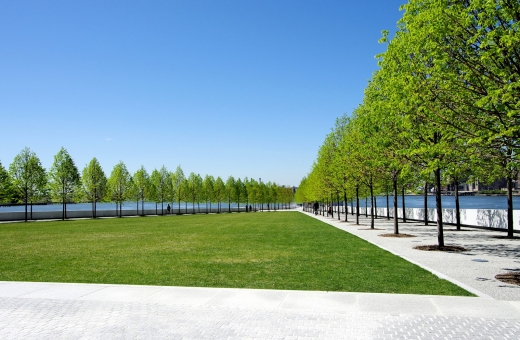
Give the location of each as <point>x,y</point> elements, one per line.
<point>276,250</point>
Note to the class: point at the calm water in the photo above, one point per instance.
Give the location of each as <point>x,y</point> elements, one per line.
<point>448,202</point>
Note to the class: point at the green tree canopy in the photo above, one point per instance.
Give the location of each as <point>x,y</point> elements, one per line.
<point>64,179</point>
<point>29,177</point>
<point>119,185</point>
<point>94,183</point>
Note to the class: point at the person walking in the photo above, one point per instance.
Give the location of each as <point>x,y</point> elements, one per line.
<point>316,207</point>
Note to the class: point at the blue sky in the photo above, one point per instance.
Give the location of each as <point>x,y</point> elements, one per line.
<point>230,87</point>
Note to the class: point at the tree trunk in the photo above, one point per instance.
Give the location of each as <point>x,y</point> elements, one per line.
<point>62,203</point>
<point>375,207</point>
<point>387,204</point>
<point>337,199</point>
<point>425,203</point>
<point>26,200</point>
<point>371,205</point>
<point>396,219</point>
<point>345,204</point>
<point>510,207</point>
<point>357,205</point>
<point>404,207</point>
<point>457,204</point>
<point>438,203</point>
<point>331,206</point>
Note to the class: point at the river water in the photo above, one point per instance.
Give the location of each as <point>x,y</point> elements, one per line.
<point>448,202</point>
<point>411,201</point>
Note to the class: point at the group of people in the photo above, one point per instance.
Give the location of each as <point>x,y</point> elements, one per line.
<point>316,207</point>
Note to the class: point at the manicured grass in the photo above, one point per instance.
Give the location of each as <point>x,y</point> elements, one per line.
<point>277,250</point>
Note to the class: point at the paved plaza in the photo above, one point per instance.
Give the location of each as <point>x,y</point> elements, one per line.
<point>95,311</point>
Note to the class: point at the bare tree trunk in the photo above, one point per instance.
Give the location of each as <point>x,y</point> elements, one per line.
<point>396,220</point>
<point>337,200</point>
<point>332,204</point>
<point>404,207</point>
<point>425,203</point>
<point>345,203</point>
<point>457,204</point>
<point>438,202</point>
<point>510,207</point>
<point>371,205</point>
<point>357,204</point>
<point>387,204</point>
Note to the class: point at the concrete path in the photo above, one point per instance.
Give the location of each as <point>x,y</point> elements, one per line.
<point>92,311</point>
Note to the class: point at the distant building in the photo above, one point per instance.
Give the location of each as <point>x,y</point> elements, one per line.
<point>499,184</point>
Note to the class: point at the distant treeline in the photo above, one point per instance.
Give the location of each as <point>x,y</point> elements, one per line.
<point>27,182</point>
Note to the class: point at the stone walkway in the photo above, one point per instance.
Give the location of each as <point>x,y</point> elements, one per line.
<point>92,311</point>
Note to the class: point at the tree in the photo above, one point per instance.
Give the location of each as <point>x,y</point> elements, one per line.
<point>219,189</point>
<point>185,193</point>
<point>161,185</point>
<point>230,191</point>
<point>253,192</point>
<point>94,184</point>
<point>29,178</point>
<point>259,194</point>
<point>208,191</point>
<point>177,180</point>
<point>273,194</point>
<point>64,179</point>
<point>6,186</point>
<point>193,189</point>
<point>240,190</point>
<point>141,181</point>
<point>119,184</point>
<point>248,191</point>
<point>466,54</point>
<point>199,191</point>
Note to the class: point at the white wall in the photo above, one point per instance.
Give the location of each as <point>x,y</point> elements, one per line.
<point>471,217</point>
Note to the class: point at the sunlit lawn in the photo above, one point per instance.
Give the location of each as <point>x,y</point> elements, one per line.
<point>276,250</point>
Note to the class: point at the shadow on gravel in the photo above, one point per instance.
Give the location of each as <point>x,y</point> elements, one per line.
<point>501,250</point>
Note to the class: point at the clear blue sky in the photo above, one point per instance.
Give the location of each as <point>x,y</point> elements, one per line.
<point>230,87</point>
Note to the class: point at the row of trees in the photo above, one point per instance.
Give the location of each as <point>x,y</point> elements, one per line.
<point>26,181</point>
<point>443,107</point>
